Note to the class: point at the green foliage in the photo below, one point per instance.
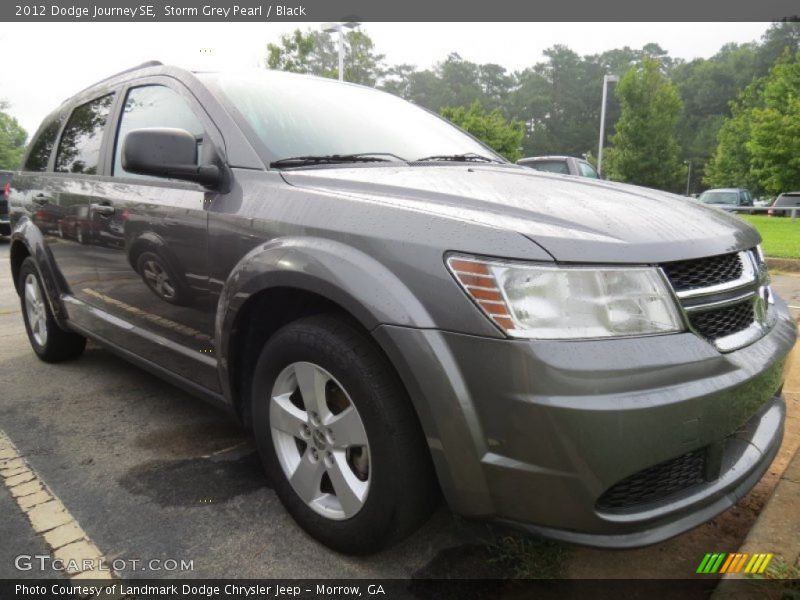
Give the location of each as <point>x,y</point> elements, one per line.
<point>645,149</point>
<point>775,130</point>
<point>759,145</point>
<point>12,140</point>
<point>491,127</point>
<point>317,53</point>
<point>528,557</point>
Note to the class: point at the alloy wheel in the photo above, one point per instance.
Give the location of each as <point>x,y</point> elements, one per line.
<point>36,310</point>
<point>320,441</point>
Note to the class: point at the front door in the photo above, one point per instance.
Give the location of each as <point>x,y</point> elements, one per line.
<point>150,245</point>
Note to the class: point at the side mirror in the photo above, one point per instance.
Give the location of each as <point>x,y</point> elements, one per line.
<point>165,152</point>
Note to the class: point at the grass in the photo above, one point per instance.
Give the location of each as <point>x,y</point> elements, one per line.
<point>529,557</point>
<point>781,236</point>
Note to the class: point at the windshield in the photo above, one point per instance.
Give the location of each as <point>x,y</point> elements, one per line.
<point>295,115</point>
<point>719,198</point>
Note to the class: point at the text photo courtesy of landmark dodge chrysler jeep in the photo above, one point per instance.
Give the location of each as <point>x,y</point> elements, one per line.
<point>398,313</point>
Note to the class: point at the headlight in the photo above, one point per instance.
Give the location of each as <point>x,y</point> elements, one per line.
<point>549,302</point>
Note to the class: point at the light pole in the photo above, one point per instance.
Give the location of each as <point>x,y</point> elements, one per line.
<point>688,175</point>
<point>606,80</point>
<point>339,27</point>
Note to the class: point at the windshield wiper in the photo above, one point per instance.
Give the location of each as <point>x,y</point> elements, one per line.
<point>328,159</point>
<point>469,157</point>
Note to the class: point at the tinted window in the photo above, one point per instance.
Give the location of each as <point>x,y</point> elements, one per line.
<point>154,106</point>
<point>551,166</point>
<point>586,170</point>
<point>42,146</point>
<point>79,149</point>
<point>294,115</point>
<point>788,200</point>
<point>719,198</point>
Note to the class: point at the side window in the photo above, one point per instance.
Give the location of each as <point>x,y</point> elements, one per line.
<point>154,106</point>
<point>42,147</point>
<point>587,170</point>
<point>79,148</point>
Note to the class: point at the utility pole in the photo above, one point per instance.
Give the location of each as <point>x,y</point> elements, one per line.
<point>606,80</point>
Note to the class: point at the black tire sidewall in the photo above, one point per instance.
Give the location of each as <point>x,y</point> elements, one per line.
<point>29,268</point>
<point>61,344</point>
<point>373,524</point>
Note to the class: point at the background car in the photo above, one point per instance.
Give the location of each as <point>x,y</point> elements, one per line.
<point>5,190</point>
<point>785,200</point>
<point>564,165</point>
<point>730,199</point>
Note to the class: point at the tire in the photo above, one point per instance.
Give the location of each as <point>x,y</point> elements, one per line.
<point>50,342</point>
<point>162,279</point>
<point>401,490</point>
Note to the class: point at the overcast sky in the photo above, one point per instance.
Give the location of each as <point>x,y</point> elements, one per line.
<point>44,63</point>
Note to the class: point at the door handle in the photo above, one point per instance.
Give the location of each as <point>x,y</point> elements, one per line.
<point>105,210</point>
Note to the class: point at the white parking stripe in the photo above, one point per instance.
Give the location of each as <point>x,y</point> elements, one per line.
<point>49,518</point>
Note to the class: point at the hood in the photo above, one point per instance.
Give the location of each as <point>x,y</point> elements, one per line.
<point>574,219</point>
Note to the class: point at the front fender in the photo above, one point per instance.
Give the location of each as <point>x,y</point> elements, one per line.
<point>348,277</point>
<point>27,234</point>
<point>354,280</point>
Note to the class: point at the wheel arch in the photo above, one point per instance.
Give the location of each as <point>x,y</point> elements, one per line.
<point>282,281</point>
<point>27,241</point>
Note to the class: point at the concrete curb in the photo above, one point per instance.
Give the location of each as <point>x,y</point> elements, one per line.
<point>776,531</point>
<point>787,265</point>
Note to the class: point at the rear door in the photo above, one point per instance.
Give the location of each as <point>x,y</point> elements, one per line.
<point>60,182</point>
<point>150,242</point>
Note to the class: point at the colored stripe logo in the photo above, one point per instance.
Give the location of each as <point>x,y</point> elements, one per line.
<point>721,562</point>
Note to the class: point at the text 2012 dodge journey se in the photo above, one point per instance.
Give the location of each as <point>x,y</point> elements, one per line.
<point>396,310</point>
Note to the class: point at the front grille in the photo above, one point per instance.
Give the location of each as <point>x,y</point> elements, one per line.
<point>703,272</point>
<point>655,484</point>
<point>717,323</point>
<point>701,283</point>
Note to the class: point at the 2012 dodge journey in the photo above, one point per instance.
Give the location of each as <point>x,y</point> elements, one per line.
<point>397,312</point>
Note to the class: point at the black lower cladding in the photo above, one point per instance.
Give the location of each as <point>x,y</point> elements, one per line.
<point>655,483</point>
<point>719,322</point>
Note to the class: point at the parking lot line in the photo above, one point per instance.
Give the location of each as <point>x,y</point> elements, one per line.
<point>49,518</point>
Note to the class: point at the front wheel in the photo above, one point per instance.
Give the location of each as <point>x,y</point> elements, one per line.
<point>338,436</point>
<point>50,342</point>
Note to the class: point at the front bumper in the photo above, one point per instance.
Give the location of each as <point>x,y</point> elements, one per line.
<point>534,432</point>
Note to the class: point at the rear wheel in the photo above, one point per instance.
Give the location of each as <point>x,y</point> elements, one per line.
<point>50,342</point>
<point>338,436</point>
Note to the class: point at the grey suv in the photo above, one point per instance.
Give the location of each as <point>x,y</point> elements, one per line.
<point>397,312</point>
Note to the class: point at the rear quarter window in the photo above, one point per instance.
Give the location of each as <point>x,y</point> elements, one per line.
<point>42,147</point>
<point>79,148</point>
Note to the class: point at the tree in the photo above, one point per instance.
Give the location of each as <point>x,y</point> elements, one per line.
<point>775,129</point>
<point>491,127</point>
<point>316,53</point>
<point>645,148</point>
<point>759,145</point>
<point>12,139</point>
<point>731,164</point>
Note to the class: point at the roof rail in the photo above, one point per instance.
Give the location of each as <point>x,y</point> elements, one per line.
<point>144,65</point>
